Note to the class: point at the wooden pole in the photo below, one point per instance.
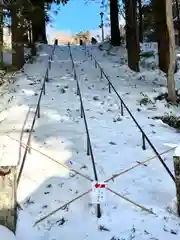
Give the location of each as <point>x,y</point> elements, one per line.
<point>176,159</point>
<point>8,214</point>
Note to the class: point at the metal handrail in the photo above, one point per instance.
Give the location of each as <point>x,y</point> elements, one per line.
<point>36,114</point>
<point>89,145</point>
<point>144,136</point>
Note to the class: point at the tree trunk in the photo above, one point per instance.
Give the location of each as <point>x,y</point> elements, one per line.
<point>39,24</point>
<point>114,19</point>
<point>32,44</point>
<point>159,11</point>
<point>132,41</point>
<point>1,37</point>
<point>172,62</point>
<point>176,160</point>
<point>17,36</point>
<point>178,18</point>
<point>140,21</point>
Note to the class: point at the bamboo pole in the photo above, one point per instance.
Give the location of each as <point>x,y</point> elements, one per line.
<point>52,159</point>
<point>137,165</point>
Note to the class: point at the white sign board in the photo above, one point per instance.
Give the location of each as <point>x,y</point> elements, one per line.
<point>98,192</point>
<point>149,47</point>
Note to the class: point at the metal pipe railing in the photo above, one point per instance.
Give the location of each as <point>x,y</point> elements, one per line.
<point>123,105</point>
<point>37,114</point>
<point>89,145</point>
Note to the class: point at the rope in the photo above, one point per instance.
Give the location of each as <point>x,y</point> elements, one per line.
<point>134,203</point>
<point>63,206</point>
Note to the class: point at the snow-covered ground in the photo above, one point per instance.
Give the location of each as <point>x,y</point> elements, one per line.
<point>116,143</point>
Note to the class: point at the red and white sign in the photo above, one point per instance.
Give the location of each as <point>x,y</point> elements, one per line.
<point>98,192</point>
<point>100,185</point>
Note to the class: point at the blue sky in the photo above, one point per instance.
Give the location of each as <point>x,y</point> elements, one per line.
<point>77,15</point>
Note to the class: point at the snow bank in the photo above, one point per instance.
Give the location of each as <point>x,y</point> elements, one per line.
<point>25,229</point>
<point>6,234</point>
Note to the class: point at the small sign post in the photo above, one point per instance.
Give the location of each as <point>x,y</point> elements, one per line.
<point>98,192</point>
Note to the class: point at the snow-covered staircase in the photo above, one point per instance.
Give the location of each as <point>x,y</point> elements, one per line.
<point>116,143</point>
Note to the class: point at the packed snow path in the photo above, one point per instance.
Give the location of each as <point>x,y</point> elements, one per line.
<point>116,143</point>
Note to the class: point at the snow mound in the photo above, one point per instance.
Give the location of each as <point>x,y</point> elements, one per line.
<point>6,234</point>
<point>172,207</point>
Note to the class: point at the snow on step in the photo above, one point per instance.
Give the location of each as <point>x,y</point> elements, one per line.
<point>116,143</point>
<point>112,135</point>
<point>21,96</point>
<point>16,124</point>
<point>60,134</point>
